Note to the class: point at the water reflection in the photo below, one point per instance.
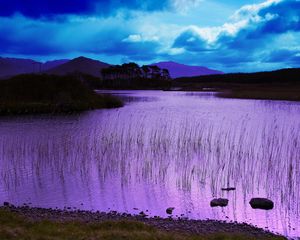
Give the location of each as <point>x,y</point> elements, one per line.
<point>172,150</point>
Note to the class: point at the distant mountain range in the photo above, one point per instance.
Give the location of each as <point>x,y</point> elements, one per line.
<point>178,70</point>
<point>14,66</point>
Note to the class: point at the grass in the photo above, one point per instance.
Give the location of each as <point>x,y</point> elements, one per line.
<point>13,226</point>
<point>30,94</point>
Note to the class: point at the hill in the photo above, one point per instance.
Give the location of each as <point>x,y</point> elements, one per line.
<point>282,76</point>
<point>177,70</point>
<point>81,64</point>
<point>281,84</point>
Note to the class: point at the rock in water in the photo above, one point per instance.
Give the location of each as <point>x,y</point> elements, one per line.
<point>219,202</point>
<point>228,189</point>
<point>261,203</point>
<point>169,210</point>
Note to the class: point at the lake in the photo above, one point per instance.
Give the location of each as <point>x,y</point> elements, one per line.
<point>163,149</point>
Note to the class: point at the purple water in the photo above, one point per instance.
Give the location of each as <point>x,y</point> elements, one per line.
<point>163,149</point>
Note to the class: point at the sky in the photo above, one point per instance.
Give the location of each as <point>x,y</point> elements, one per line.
<point>228,35</point>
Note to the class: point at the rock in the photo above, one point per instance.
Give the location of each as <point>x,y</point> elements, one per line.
<point>219,202</point>
<point>228,189</point>
<point>170,210</point>
<point>261,203</point>
<point>142,214</point>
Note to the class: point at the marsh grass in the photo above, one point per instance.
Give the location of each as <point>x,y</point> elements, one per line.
<point>31,94</point>
<point>253,157</point>
<point>13,226</point>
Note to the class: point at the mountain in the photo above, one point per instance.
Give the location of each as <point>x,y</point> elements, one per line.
<point>80,64</point>
<point>177,70</point>
<point>15,66</point>
<point>52,64</point>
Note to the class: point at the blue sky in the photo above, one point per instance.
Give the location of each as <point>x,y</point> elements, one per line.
<point>232,36</point>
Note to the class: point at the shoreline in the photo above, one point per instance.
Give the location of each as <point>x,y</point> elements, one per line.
<point>170,225</point>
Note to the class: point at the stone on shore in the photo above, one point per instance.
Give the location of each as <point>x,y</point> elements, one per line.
<point>261,203</point>
<point>219,202</point>
<point>142,214</point>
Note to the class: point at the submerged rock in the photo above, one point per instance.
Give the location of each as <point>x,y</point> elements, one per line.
<point>219,202</point>
<point>170,210</point>
<point>261,203</point>
<point>228,189</point>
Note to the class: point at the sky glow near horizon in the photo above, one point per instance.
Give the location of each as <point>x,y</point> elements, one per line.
<point>229,35</point>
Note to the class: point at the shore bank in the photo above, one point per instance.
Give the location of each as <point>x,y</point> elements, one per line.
<point>20,222</point>
<point>275,94</point>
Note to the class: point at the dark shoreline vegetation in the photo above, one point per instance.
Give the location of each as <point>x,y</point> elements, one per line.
<point>38,223</point>
<point>275,85</point>
<point>36,94</point>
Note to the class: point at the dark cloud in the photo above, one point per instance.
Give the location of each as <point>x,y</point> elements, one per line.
<point>286,17</point>
<point>284,55</point>
<point>50,8</point>
<point>23,36</point>
<point>191,41</point>
<point>138,51</point>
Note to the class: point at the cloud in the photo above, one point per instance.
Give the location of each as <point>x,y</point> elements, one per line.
<point>133,38</point>
<point>85,35</point>
<point>261,33</point>
<point>256,37</point>
<point>23,35</point>
<point>183,6</point>
<point>191,40</point>
<point>288,56</point>
<point>51,8</point>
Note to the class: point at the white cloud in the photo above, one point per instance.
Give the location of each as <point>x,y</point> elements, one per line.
<point>133,38</point>
<point>250,11</point>
<point>182,6</point>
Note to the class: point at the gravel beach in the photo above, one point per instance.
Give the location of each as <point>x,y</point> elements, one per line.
<point>194,227</point>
